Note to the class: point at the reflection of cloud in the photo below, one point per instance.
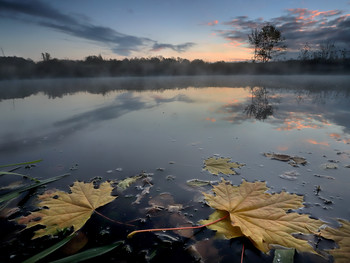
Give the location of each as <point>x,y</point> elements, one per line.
<point>180,97</point>
<point>282,148</point>
<point>42,14</point>
<point>300,121</point>
<point>339,138</point>
<point>123,104</point>
<point>298,26</point>
<point>311,141</point>
<point>317,110</point>
<point>210,119</point>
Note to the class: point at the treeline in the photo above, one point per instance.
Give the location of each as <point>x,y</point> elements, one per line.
<point>96,66</point>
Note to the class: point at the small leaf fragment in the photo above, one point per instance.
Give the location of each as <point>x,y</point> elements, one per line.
<point>124,184</point>
<point>197,182</point>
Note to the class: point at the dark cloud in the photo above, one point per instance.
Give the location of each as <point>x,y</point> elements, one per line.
<point>42,14</point>
<point>178,48</point>
<point>298,26</point>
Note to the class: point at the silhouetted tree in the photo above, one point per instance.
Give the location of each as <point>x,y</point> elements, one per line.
<point>94,59</point>
<point>305,52</point>
<point>46,56</point>
<point>266,42</point>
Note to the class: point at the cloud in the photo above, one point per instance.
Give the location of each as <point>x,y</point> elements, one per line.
<point>178,48</point>
<point>298,26</point>
<point>42,14</point>
<point>211,23</point>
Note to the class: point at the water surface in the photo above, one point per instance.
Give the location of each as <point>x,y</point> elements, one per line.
<point>119,127</point>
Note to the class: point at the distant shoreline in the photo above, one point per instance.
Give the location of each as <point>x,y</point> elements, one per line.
<point>59,87</point>
<point>20,68</point>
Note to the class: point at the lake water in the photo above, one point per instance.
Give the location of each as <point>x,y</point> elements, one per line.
<point>115,128</point>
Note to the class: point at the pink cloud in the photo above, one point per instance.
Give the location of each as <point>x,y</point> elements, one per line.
<point>212,23</point>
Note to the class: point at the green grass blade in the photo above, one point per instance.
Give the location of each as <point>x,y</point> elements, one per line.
<point>15,164</point>
<point>17,192</point>
<point>49,250</point>
<point>90,253</point>
<point>22,175</point>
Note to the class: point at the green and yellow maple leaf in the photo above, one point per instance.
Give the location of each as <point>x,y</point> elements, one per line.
<point>260,216</point>
<point>221,165</point>
<point>68,209</point>
<point>342,237</point>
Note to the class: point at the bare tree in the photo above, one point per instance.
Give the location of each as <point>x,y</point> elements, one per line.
<point>305,52</point>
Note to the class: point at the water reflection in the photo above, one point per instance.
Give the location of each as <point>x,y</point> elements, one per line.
<point>291,109</point>
<point>123,103</point>
<point>259,106</point>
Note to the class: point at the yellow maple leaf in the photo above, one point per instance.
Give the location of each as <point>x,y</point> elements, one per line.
<point>342,237</point>
<point>221,165</point>
<point>260,216</point>
<point>68,209</point>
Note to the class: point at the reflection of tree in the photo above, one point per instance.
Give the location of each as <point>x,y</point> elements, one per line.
<point>259,107</point>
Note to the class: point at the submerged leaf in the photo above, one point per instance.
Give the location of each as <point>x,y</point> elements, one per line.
<point>221,165</point>
<point>284,256</point>
<point>342,237</point>
<point>68,209</point>
<point>260,216</point>
<point>49,250</point>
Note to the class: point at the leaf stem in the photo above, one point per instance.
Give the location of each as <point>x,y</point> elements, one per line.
<point>176,228</point>
<point>112,220</point>
<point>242,255</point>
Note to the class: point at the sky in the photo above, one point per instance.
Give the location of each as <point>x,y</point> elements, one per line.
<point>190,29</point>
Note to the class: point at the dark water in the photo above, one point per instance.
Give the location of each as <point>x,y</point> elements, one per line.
<point>117,128</point>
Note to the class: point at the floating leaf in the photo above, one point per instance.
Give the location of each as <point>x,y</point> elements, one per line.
<point>324,176</point>
<point>260,216</point>
<point>295,160</point>
<point>342,237</point>
<point>290,175</point>
<point>327,166</point>
<point>124,184</point>
<point>197,182</point>
<point>221,165</point>
<point>277,156</point>
<point>299,160</point>
<point>68,209</point>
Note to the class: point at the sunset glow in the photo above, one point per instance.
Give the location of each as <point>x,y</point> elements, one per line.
<point>191,30</point>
